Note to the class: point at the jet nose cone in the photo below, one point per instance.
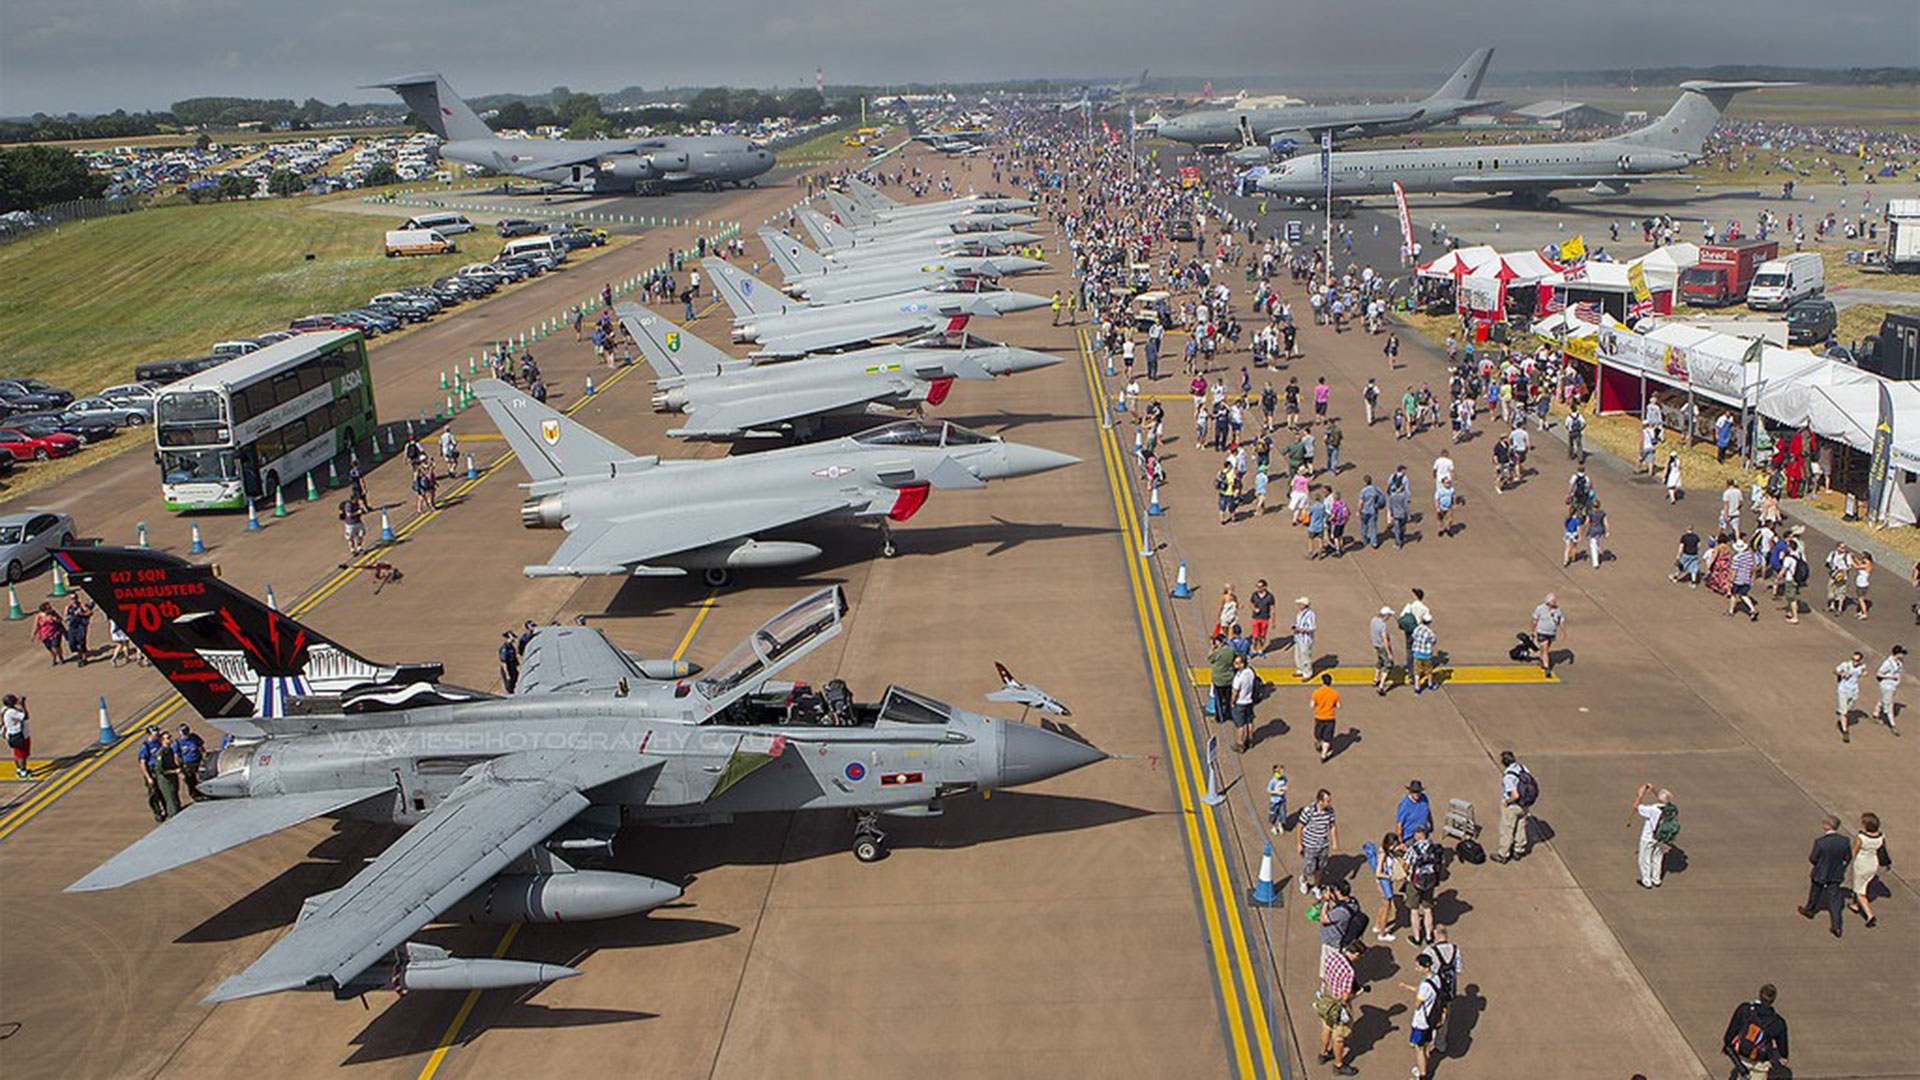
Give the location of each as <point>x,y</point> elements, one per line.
<point>1014,361</point>
<point>1008,303</point>
<point>1024,460</point>
<point>1028,754</point>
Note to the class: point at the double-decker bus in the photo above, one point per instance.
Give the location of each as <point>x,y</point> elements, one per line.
<point>236,432</point>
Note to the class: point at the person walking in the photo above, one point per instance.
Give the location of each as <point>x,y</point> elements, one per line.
<point>1388,860</point>
<point>1326,715</point>
<point>1421,649</point>
<point>1334,1006</point>
<point>353,517</point>
<point>1654,816</point>
<point>13,721</point>
<point>1548,623</point>
<point>449,451</point>
<point>1596,533</point>
<point>1888,676</point>
<point>79,616</point>
<point>1229,615</point>
<point>1399,505</point>
<point>1316,838</point>
<point>1445,958</point>
<point>509,661</point>
<point>1740,581</point>
<point>1756,1035</point>
<point>1869,857</point>
<point>1846,676</point>
<point>1832,860</point>
<point>1277,799</point>
<point>1260,605</point>
<point>50,632</point>
<point>191,750</point>
<point>1372,501</point>
<point>1382,640</point>
<point>1427,1012</point>
<point>1338,914</point>
<point>1518,790</point>
<point>1305,622</point>
<point>1673,477</point>
<point>1423,879</point>
<point>1443,499</point>
<point>1220,671</point>
<point>1576,427</point>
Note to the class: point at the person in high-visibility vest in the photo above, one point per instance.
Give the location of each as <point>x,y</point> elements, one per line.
<point>1056,307</point>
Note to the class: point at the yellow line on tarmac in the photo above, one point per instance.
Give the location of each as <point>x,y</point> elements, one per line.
<point>1464,675</point>
<point>439,1054</point>
<point>1239,984</point>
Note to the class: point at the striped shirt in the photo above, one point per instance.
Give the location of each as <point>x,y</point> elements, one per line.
<point>1337,975</point>
<point>1423,642</point>
<point>1304,622</point>
<point>1316,825</point>
<point>1742,566</point>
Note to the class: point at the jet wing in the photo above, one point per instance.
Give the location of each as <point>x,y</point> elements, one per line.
<point>503,808</point>
<point>584,155</point>
<point>208,828</point>
<point>617,545</point>
<point>1537,181</point>
<point>746,414</point>
<point>806,341</point>
<point>573,660</point>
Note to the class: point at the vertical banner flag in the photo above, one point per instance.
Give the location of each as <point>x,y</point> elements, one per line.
<point>1882,454</point>
<point>1406,220</point>
<point>1326,160</point>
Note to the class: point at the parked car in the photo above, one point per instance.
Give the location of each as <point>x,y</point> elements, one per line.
<point>129,412</point>
<point>35,386</point>
<point>514,226</point>
<point>140,393</point>
<point>273,337</point>
<point>162,372</point>
<point>1810,322</point>
<point>53,423</point>
<point>27,447</point>
<point>230,349</point>
<point>308,323</point>
<point>28,539</point>
<point>19,398</point>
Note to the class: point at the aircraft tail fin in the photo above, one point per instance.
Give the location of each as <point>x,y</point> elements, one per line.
<point>744,293</point>
<point>550,446</point>
<point>829,234</point>
<point>1693,117</point>
<point>792,257</point>
<point>913,119</point>
<point>229,655</point>
<point>433,101</point>
<point>667,346</point>
<point>849,210</point>
<point>871,195</point>
<point>1464,84</point>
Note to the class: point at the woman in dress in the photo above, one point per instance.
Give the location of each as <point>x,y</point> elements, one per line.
<point>1867,847</point>
<point>1673,477</point>
<point>50,632</point>
<point>1720,566</point>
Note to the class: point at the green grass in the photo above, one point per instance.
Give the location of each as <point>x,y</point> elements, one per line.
<point>86,302</point>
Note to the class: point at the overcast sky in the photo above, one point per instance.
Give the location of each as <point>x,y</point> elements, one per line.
<point>98,55</point>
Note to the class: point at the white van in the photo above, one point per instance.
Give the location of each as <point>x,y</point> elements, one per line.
<point>543,245</point>
<point>418,242</point>
<point>445,223</point>
<point>1781,283</point>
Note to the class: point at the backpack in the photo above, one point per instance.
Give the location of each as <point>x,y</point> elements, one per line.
<point>1470,851</point>
<point>1423,866</point>
<point>1752,1043</point>
<point>1526,788</point>
<point>1801,573</point>
<point>1446,973</point>
<point>1582,488</point>
<point>1355,925</point>
<point>1407,622</point>
<point>1667,829</point>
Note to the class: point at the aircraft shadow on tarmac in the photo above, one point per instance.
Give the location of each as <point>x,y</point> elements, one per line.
<point>1005,420</point>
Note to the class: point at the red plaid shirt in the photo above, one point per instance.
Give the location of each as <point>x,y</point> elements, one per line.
<point>1337,975</point>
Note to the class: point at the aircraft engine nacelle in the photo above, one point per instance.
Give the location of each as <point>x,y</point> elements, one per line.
<point>673,400</point>
<point>628,171</point>
<point>667,162</point>
<point>746,555</point>
<point>571,897</point>
<point>544,512</point>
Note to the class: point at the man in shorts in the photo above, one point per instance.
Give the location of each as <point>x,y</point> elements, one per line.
<point>1380,632</point>
<point>353,519</point>
<point>1260,602</point>
<point>1317,839</point>
<point>1326,710</point>
<point>1846,676</point>
<point>1423,879</point>
<point>1334,1006</point>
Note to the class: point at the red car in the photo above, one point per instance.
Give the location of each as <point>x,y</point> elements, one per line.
<point>25,447</point>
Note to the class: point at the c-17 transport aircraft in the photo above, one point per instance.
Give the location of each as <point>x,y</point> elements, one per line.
<point>641,516</point>
<point>1276,130</point>
<point>1529,172</point>
<point>492,788</point>
<point>724,397</point>
<point>647,165</point>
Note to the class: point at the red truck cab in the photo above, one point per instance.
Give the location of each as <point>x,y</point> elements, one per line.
<point>1724,271</point>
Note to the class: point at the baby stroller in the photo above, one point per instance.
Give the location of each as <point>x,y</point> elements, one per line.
<point>1526,650</point>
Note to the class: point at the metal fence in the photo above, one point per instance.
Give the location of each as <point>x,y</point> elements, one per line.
<point>14,226</point>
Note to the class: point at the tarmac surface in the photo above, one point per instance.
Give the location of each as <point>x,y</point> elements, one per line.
<point>1093,925</point>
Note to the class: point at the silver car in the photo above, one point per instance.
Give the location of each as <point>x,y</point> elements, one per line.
<point>28,539</point>
<point>125,412</point>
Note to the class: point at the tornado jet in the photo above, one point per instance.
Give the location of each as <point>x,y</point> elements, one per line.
<point>723,397</point>
<point>498,792</point>
<point>960,217</point>
<point>641,516</point>
<point>784,327</point>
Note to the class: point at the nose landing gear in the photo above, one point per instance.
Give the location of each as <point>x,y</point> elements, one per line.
<point>869,843</point>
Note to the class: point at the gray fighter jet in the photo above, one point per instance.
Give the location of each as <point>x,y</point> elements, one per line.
<point>849,252</point>
<point>497,792</point>
<point>883,206</point>
<point>645,165</point>
<point>784,327</point>
<point>1528,172</point>
<point>647,517</point>
<point>724,397</point>
<point>807,275</point>
<point>1267,132</point>
<point>933,229</point>
<point>858,213</point>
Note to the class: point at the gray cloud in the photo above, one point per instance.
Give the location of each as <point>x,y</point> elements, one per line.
<point>98,55</point>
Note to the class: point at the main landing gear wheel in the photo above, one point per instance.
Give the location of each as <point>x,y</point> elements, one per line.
<point>887,550</point>
<point>869,843</point>
<point>717,578</point>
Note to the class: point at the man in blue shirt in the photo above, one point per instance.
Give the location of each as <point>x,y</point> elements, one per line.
<point>1372,501</point>
<point>148,751</point>
<point>191,749</point>
<point>1414,812</point>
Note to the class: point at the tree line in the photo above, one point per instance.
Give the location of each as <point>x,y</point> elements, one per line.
<point>203,112</point>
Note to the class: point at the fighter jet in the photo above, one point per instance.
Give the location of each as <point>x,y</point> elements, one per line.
<point>882,206</point>
<point>1528,172</point>
<point>728,398</point>
<point>840,244</point>
<point>949,141</point>
<point>498,791</point>
<point>646,166</point>
<point>916,229</point>
<point>647,517</point>
<point>808,275</point>
<point>1276,131</point>
<point>783,327</point>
